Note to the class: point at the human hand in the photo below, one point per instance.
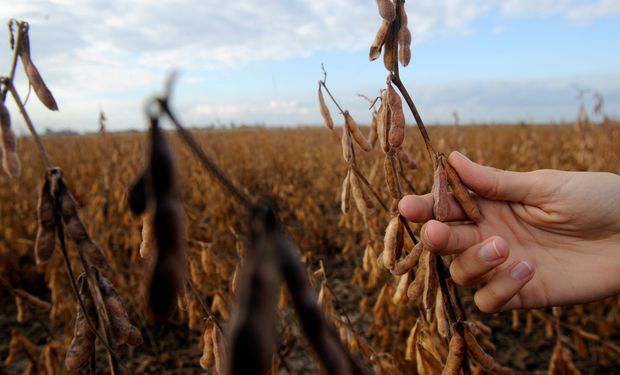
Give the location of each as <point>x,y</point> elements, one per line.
<point>546,237</point>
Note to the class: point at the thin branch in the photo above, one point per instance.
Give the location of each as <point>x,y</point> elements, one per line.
<point>16,47</point>
<point>322,83</point>
<point>204,159</point>
<point>205,309</point>
<point>371,101</point>
<point>402,175</point>
<point>42,151</point>
<point>416,115</point>
<point>360,175</point>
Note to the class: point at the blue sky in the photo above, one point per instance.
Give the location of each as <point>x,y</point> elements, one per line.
<point>258,61</point>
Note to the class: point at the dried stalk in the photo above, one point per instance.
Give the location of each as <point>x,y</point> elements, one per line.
<point>113,357</point>
<point>213,169</point>
<point>16,44</point>
<point>42,151</point>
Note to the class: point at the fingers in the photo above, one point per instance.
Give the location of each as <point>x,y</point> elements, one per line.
<point>501,291</point>
<point>477,264</point>
<point>498,184</point>
<point>446,239</point>
<point>419,208</point>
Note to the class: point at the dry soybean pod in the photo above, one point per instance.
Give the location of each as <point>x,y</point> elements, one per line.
<point>345,194</point>
<point>456,355</point>
<point>167,278</point>
<point>441,318</point>
<point>357,134</point>
<point>377,44</point>
<point>383,127</point>
<point>83,342</point>
<point>10,160</point>
<point>396,135</point>
<point>401,289</point>
<point>320,333</point>
<point>327,117</point>
<point>33,301</point>
<point>362,200</point>
<point>387,10</point>
<point>483,328</point>
<point>34,77</point>
<point>373,136</point>
<point>441,206</point>
<point>46,234</point>
<point>219,350</point>
<point>74,225</point>
<point>409,261</point>
<point>147,246</point>
<point>430,281</point>
<point>326,301</point>
<point>412,339</point>
<point>347,145</point>
<point>406,158</point>
<point>22,311</point>
<point>404,38</point>
<point>137,199</point>
<point>416,288</point>
<point>390,242</point>
<point>571,369</point>
<point>207,360</point>
<point>390,49</point>
<point>119,319</point>
<point>480,356</point>
<point>460,192</point>
<point>253,332</point>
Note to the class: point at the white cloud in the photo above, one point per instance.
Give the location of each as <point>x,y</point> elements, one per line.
<point>114,53</point>
<point>533,7</point>
<point>212,34</point>
<point>588,13</point>
<point>581,12</point>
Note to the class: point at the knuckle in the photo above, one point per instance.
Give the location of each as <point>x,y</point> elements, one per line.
<point>458,273</point>
<point>488,300</point>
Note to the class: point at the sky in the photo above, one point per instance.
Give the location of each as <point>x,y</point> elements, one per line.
<point>258,62</point>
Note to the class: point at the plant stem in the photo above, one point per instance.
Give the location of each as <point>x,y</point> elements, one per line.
<point>416,115</point>
<point>204,159</point>
<point>360,175</point>
<point>395,77</point>
<point>46,160</point>
<point>322,83</point>
<point>16,47</point>
<point>81,304</point>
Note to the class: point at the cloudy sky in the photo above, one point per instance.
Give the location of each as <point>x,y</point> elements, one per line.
<point>250,61</point>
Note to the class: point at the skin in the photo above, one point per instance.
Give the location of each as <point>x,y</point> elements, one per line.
<point>546,237</point>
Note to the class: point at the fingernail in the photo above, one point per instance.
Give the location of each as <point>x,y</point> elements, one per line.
<point>521,271</point>
<point>490,252</point>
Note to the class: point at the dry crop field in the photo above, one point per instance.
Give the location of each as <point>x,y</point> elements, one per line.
<point>302,170</point>
<point>254,251</point>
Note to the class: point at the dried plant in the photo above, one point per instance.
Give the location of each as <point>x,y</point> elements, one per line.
<point>57,213</point>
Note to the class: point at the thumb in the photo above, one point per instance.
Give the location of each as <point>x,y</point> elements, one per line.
<point>496,184</point>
